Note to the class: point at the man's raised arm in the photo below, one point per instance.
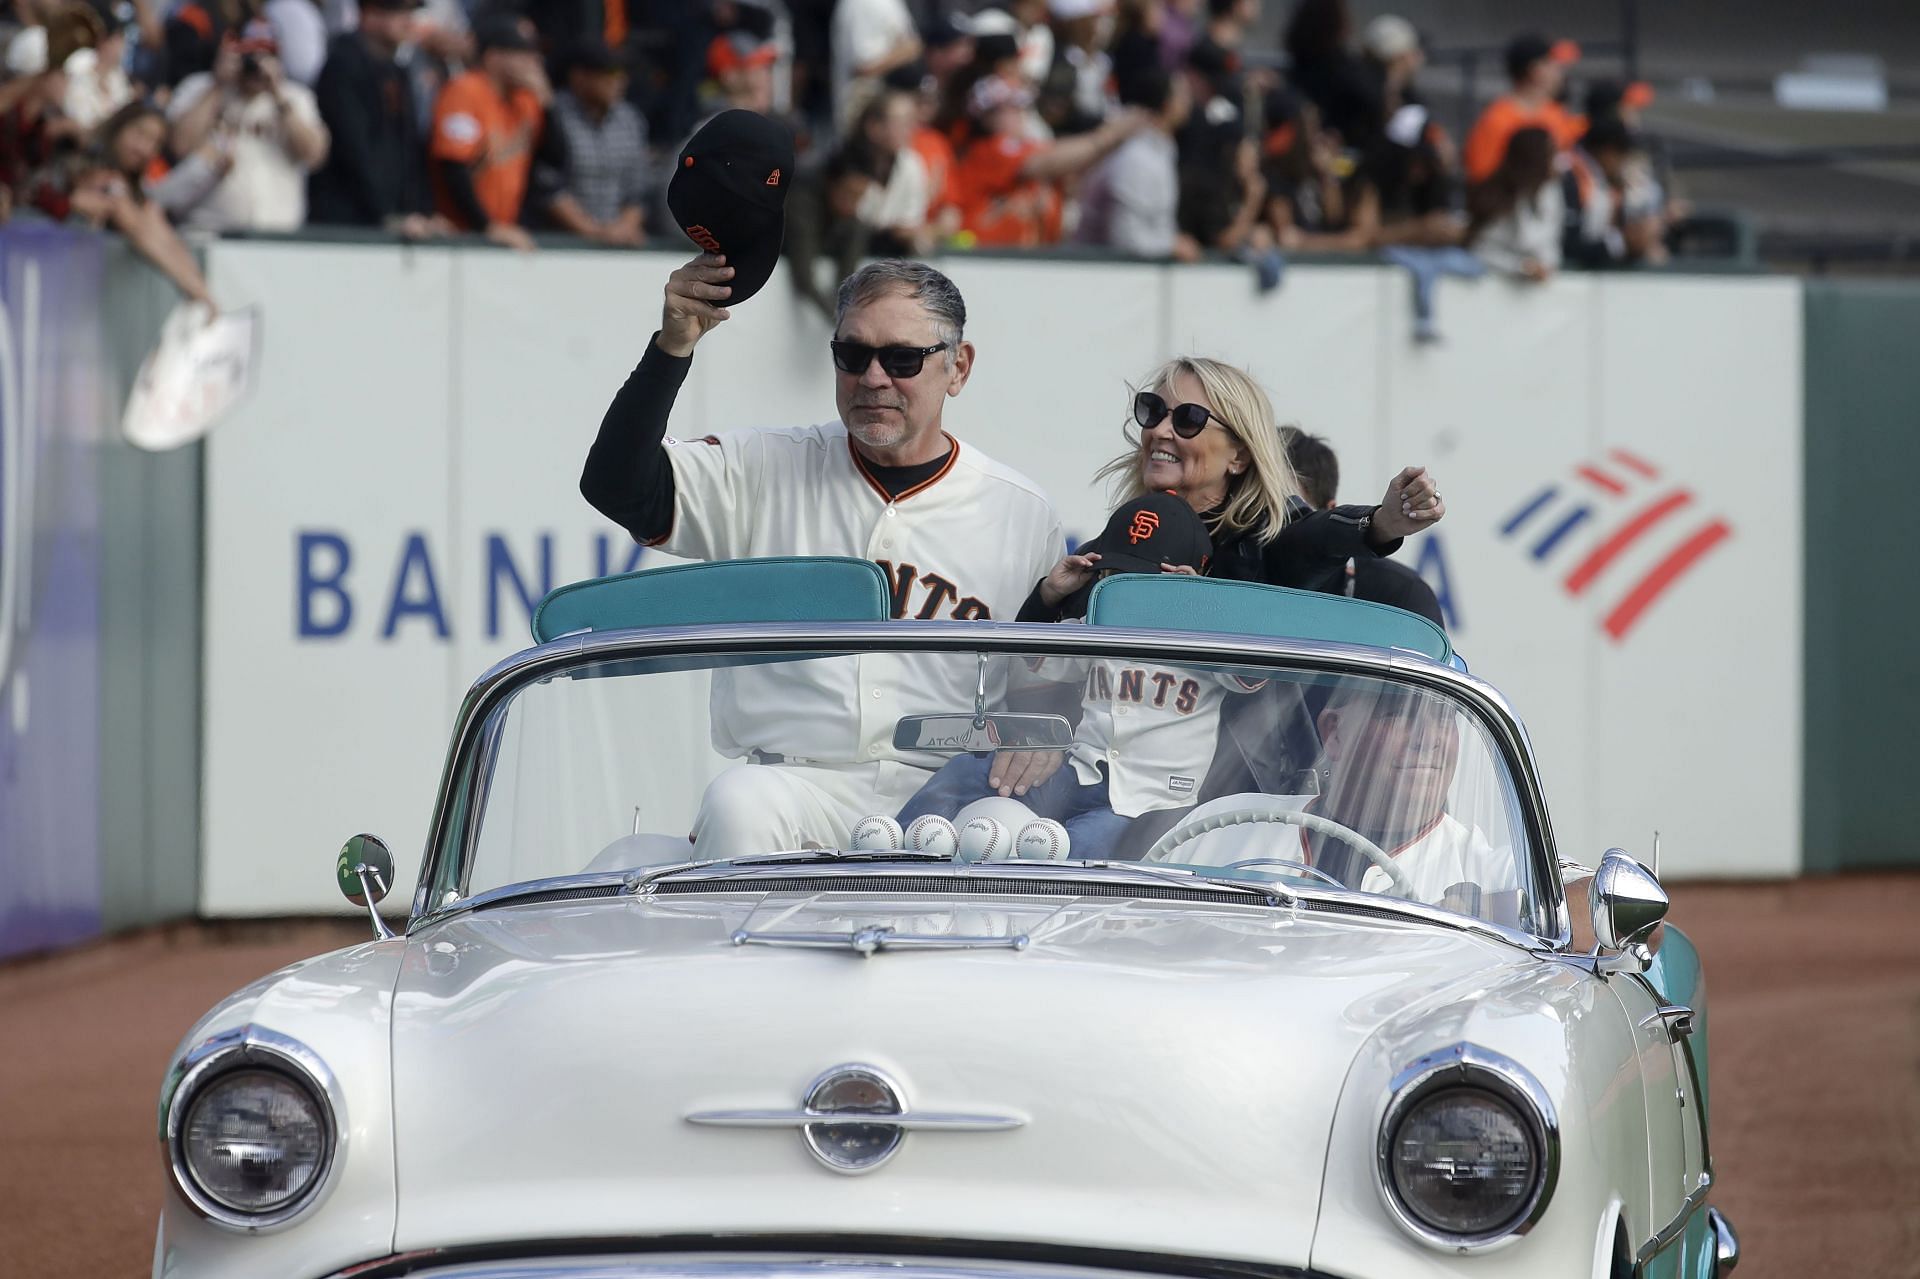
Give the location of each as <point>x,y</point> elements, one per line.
<point>627,477</point>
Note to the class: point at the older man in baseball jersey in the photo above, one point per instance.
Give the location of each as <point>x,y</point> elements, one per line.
<point>885,482</point>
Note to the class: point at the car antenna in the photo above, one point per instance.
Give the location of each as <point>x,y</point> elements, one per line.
<point>1656,854</point>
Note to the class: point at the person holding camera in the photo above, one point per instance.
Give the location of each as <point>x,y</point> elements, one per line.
<point>258,133</point>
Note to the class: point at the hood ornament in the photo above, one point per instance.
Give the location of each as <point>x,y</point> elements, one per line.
<point>854,1118</point>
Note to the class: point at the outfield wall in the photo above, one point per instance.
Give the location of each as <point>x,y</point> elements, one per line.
<point>1621,458</point>
<point>99,605</point>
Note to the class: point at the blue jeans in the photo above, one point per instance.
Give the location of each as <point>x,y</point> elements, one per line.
<point>1086,811</point>
<point>1426,266</point>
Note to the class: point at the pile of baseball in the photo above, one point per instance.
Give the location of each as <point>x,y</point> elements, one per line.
<point>987,830</point>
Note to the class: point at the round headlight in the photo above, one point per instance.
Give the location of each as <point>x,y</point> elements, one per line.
<point>254,1141</point>
<point>1464,1162</point>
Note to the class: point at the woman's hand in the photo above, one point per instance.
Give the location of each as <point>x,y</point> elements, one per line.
<point>1015,773</point>
<point>1184,570</point>
<point>1066,577</point>
<point>1411,504</point>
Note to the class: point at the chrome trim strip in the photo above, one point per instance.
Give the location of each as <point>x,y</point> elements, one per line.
<point>906,1120</point>
<point>257,1047</point>
<point>509,675</point>
<point>1666,1235</point>
<point>1470,1064</point>
<point>864,942</point>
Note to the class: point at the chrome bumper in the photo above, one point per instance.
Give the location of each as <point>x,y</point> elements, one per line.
<point>1726,1244</point>
<point>752,1266</point>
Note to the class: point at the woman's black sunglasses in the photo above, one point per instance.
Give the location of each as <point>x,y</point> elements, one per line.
<point>1188,419</point>
<point>895,361</point>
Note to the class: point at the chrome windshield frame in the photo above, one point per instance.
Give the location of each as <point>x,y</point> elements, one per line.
<point>531,665</point>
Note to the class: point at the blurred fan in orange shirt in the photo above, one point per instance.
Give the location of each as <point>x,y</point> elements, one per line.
<point>485,125</point>
<point>1538,69</point>
<point>1004,179</point>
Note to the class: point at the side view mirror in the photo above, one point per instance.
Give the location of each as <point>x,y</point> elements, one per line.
<point>364,872</point>
<point>1626,900</point>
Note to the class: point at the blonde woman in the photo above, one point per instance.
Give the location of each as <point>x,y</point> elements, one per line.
<point>1207,437</point>
<point>1206,432</point>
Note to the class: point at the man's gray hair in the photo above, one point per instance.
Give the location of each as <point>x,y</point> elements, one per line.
<point>917,280</point>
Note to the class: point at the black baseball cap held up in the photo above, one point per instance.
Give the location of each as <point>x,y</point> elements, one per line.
<point>1151,530</point>
<point>729,194</point>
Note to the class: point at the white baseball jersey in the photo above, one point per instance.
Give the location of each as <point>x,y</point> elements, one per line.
<point>1154,727</point>
<point>967,543</point>
<point>1446,853</point>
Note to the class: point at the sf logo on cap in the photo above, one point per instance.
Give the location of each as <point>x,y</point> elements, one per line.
<point>1143,526</point>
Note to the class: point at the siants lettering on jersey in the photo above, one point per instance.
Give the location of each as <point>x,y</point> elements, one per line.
<point>1142,687</point>
<point>924,596</point>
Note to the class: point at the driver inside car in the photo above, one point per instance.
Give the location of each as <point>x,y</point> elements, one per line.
<point>1387,766</point>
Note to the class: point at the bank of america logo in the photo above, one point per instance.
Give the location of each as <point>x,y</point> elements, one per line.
<point>1585,525</point>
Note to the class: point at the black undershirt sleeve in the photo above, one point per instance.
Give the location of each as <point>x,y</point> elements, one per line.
<point>628,478</point>
<point>458,180</point>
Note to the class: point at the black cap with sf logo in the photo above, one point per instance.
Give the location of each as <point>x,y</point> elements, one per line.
<point>729,194</point>
<point>1151,530</point>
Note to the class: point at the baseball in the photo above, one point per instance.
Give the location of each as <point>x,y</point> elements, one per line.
<point>1043,840</point>
<point>1009,812</point>
<point>985,840</point>
<point>933,834</point>
<point>878,833</point>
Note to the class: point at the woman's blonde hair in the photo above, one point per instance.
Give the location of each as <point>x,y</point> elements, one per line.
<point>1257,497</point>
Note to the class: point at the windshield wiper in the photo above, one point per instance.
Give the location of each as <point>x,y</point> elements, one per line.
<point>794,855</point>
<point>647,875</point>
<point>1273,894</point>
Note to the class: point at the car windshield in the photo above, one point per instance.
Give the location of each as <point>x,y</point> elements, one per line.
<point>1271,774</point>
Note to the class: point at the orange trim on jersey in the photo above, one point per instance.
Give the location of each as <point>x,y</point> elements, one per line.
<point>860,465</point>
<point>1421,834</point>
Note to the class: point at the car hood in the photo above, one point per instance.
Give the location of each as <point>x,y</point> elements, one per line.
<point>1175,1067</point>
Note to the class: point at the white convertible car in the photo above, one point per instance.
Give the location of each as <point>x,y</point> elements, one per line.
<point>1274,977</point>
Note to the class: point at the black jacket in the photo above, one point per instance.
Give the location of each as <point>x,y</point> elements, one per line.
<point>376,165</point>
<point>1310,554</point>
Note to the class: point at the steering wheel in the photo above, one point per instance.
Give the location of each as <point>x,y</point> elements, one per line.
<point>1252,811</point>
<point>1314,871</point>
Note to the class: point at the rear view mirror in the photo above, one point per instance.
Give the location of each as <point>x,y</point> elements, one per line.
<point>1627,901</point>
<point>988,731</point>
<point>364,872</point>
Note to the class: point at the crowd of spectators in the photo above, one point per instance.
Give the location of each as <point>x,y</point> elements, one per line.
<point>1147,128</point>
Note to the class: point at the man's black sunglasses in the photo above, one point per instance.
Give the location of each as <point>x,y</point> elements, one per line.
<point>1188,419</point>
<point>895,361</point>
